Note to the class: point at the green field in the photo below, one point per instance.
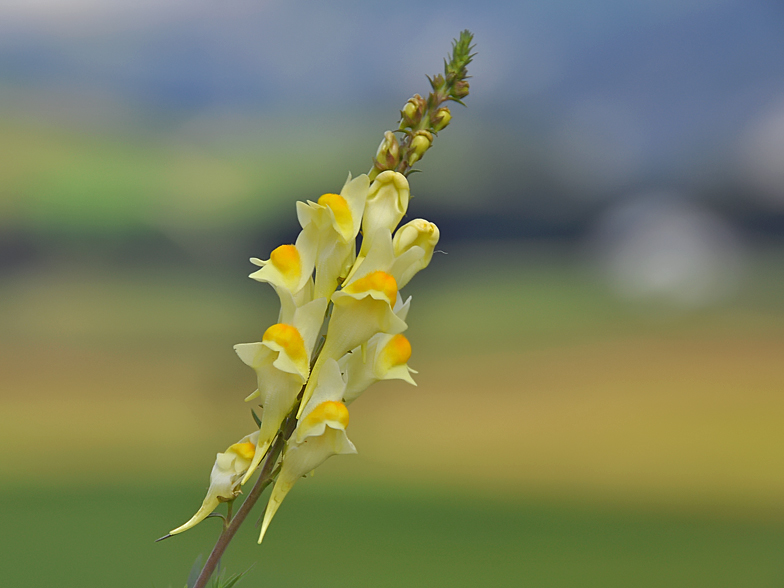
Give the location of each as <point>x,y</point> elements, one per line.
<point>331,535</point>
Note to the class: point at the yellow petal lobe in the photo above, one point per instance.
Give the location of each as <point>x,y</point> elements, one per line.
<point>244,450</point>
<point>378,281</point>
<point>327,411</point>
<point>286,259</point>
<point>340,209</point>
<point>396,352</point>
<point>289,339</point>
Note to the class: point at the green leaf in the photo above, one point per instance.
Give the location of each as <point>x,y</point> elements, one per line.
<point>219,581</point>
<point>255,417</point>
<point>195,570</point>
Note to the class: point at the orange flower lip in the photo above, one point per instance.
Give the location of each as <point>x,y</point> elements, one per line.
<point>289,339</point>
<point>396,352</point>
<point>287,260</point>
<point>376,281</point>
<point>329,410</point>
<point>244,450</point>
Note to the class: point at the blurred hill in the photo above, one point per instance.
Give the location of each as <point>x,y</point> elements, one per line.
<point>178,123</point>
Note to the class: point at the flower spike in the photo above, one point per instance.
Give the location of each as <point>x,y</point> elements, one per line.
<point>341,319</point>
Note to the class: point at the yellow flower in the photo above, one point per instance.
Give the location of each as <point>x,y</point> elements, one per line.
<point>224,479</point>
<point>282,364</point>
<point>410,251</point>
<point>320,434</point>
<point>363,308</point>
<point>387,202</point>
<point>385,357</point>
<point>290,268</point>
<point>418,233</point>
<point>333,223</point>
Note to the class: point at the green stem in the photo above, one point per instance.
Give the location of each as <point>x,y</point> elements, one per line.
<point>229,509</point>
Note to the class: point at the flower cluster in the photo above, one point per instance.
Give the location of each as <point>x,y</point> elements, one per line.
<point>339,330</point>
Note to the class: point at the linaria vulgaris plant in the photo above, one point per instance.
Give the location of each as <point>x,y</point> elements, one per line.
<point>341,321</point>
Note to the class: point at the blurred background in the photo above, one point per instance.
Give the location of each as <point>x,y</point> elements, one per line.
<point>600,345</point>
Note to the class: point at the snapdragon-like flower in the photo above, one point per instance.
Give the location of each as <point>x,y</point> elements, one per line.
<point>385,357</point>
<point>402,257</point>
<point>225,478</point>
<point>282,364</point>
<point>362,309</point>
<point>320,434</point>
<point>364,306</point>
<point>290,268</point>
<point>333,223</point>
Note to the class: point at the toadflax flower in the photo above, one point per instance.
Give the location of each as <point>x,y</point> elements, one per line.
<point>282,364</point>
<point>320,434</point>
<point>363,308</point>
<point>225,478</point>
<point>290,268</point>
<point>333,223</point>
<point>385,357</point>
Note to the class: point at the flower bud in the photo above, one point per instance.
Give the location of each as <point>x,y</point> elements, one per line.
<point>385,206</point>
<point>460,89</point>
<point>418,233</point>
<point>412,112</point>
<point>441,118</point>
<point>388,155</point>
<point>419,144</point>
<point>436,82</point>
<point>409,110</point>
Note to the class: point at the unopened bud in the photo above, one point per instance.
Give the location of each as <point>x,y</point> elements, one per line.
<point>419,144</point>
<point>437,82</point>
<point>409,110</point>
<point>418,233</point>
<point>412,112</point>
<point>460,89</point>
<point>386,204</point>
<point>388,154</point>
<point>441,118</point>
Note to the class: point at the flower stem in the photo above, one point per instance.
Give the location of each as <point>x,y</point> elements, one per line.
<point>265,478</point>
<point>229,513</point>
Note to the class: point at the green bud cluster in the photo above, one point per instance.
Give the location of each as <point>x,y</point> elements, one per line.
<point>422,118</point>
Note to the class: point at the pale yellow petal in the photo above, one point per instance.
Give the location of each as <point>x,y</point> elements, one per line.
<point>387,202</point>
